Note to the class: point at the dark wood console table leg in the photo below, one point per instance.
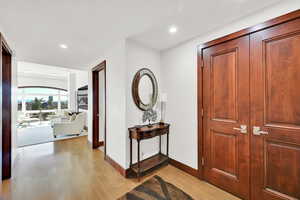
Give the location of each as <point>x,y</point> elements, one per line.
<point>160,144</point>
<point>168,144</point>
<point>130,152</point>
<point>138,174</point>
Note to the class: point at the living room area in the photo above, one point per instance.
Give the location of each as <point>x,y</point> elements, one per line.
<point>52,103</point>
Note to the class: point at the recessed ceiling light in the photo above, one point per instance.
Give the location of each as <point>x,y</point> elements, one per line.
<point>63,46</point>
<point>173,30</point>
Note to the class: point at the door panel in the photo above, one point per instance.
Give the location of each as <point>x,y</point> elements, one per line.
<point>226,108</point>
<point>223,85</point>
<point>281,161</point>
<point>282,71</point>
<point>275,108</point>
<point>220,163</point>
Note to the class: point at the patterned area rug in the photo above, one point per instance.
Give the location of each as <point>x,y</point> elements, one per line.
<point>156,189</point>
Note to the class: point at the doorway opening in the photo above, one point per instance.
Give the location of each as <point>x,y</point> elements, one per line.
<point>99,106</point>
<point>52,104</point>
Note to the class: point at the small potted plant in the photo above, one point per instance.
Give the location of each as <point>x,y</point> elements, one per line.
<point>150,116</point>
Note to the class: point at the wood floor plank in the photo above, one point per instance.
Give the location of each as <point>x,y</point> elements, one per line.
<point>71,170</point>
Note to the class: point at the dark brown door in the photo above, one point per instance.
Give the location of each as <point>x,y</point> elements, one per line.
<point>275,111</point>
<point>96,115</point>
<point>226,113</point>
<point>6,112</point>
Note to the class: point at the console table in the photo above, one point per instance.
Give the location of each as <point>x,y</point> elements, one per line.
<point>145,132</point>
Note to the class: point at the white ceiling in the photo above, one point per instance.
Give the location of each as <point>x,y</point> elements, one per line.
<point>199,17</point>
<point>35,29</point>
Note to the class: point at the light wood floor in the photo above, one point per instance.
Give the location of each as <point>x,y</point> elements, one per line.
<point>71,170</point>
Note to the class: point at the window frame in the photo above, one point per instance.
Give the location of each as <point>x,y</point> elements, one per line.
<point>21,93</point>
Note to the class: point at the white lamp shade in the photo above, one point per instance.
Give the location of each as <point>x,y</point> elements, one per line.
<point>164,97</point>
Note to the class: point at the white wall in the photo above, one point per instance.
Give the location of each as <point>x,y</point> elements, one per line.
<point>137,57</point>
<point>27,80</point>
<point>33,74</point>
<point>123,60</point>
<point>179,66</point>
<point>116,102</point>
<point>50,76</point>
<point>81,78</point>
<point>72,88</point>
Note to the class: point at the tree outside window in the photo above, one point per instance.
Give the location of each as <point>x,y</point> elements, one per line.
<point>34,98</point>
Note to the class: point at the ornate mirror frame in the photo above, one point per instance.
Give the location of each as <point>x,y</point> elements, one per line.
<point>135,89</point>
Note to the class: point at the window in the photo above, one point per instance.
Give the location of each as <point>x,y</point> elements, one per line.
<point>19,103</point>
<point>64,102</point>
<point>39,98</point>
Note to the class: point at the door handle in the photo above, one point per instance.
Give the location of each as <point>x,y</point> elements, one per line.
<point>243,129</point>
<point>258,131</point>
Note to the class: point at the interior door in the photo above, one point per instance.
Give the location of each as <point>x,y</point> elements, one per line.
<point>226,116</point>
<point>275,112</point>
<point>101,106</point>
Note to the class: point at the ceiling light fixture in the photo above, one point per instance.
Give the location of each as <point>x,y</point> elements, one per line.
<point>173,30</point>
<point>63,46</point>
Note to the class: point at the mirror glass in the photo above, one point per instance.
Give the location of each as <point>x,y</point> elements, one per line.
<point>145,89</point>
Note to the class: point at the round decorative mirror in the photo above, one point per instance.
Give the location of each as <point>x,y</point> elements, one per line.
<point>144,89</point>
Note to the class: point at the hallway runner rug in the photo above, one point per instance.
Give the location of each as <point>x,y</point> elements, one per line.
<point>156,189</point>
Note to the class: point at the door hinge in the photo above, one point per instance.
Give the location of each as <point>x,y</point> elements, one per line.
<point>202,112</point>
<point>202,161</point>
<point>202,63</point>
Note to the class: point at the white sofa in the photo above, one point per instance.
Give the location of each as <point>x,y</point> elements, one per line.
<point>24,118</point>
<point>68,127</point>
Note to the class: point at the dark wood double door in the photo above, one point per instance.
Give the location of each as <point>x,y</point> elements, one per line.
<point>251,122</point>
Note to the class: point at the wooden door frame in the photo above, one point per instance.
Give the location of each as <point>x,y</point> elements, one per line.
<point>200,64</point>
<point>200,111</point>
<point>95,90</point>
<point>6,108</point>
